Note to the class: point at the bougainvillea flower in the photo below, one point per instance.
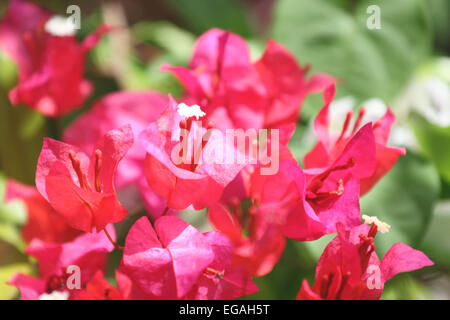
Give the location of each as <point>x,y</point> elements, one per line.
<point>43,222</point>
<point>99,289</point>
<point>256,230</point>
<point>164,262</point>
<point>87,252</point>
<point>221,280</point>
<point>114,110</point>
<point>193,175</point>
<point>257,253</point>
<point>319,198</point>
<point>49,58</point>
<point>236,93</point>
<point>349,268</point>
<point>331,144</point>
<point>82,189</point>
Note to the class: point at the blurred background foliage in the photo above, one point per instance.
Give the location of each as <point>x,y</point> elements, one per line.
<point>405,64</point>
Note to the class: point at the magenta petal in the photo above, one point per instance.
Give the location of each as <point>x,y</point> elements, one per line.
<point>88,251</point>
<point>114,146</point>
<point>402,258</point>
<point>30,287</point>
<point>165,266</point>
<point>56,151</point>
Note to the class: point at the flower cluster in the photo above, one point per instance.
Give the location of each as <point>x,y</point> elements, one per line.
<point>125,144</point>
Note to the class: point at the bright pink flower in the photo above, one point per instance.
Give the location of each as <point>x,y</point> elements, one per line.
<point>316,199</point>
<point>82,189</point>
<point>221,280</point>
<point>349,268</point>
<point>236,93</point>
<point>256,233</point>
<point>330,144</point>
<point>88,252</point>
<point>257,253</point>
<point>43,222</point>
<point>50,65</point>
<point>194,180</point>
<point>164,262</point>
<point>114,110</point>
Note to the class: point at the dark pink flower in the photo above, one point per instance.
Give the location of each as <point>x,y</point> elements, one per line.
<point>114,110</point>
<point>43,222</point>
<point>349,268</point>
<point>331,144</point>
<point>88,252</point>
<point>186,163</point>
<point>82,189</point>
<point>236,93</point>
<point>316,199</point>
<point>50,63</point>
<point>99,289</point>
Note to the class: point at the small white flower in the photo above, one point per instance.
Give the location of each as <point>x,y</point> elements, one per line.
<point>60,26</point>
<point>383,227</point>
<point>55,295</point>
<point>190,111</point>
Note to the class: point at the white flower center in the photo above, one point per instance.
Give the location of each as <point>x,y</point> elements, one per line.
<point>60,26</point>
<point>190,111</point>
<point>55,295</point>
<point>383,227</point>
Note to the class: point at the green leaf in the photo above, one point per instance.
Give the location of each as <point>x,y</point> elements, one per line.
<point>436,242</point>
<point>13,211</point>
<point>202,15</point>
<point>405,287</point>
<point>404,199</point>
<point>433,140</point>
<point>335,39</point>
<point>21,131</point>
<point>11,235</point>
<point>6,272</point>
<point>176,42</point>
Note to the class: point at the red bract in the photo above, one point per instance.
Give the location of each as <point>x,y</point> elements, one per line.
<point>50,63</point>
<point>88,252</point>
<point>256,231</point>
<point>99,289</point>
<point>82,189</point>
<point>236,93</point>
<point>257,253</point>
<point>43,222</point>
<point>138,109</point>
<point>330,145</point>
<point>349,268</point>
<point>175,172</point>
<point>165,262</point>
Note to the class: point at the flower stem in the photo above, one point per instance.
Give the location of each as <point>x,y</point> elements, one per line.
<point>112,241</point>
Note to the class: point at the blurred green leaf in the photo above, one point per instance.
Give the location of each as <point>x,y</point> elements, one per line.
<point>405,287</point>
<point>21,130</point>
<point>176,42</point>
<point>202,15</point>
<point>434,141</point>
<point>436,242</point>
<point>404,198</point>
<point>334,38</point>
<point>11,234</point>
<point>13,211</point>
<point>6,272</point>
